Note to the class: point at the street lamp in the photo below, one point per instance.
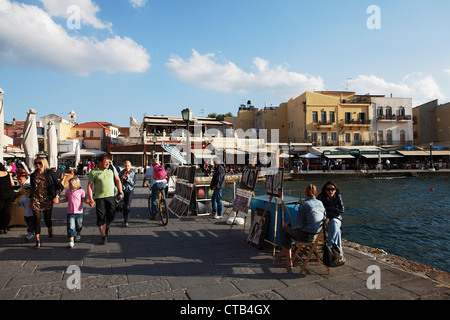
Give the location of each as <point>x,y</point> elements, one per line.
<point>188,116</point>
<point>431,156</point>
<point>154,139</point>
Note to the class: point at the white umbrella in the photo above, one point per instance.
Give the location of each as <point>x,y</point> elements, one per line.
<point>30,140</point>
<point>174,152</point>
<point>2,122</point>
<point>83,153</point>
<point>52,143</point>
<point>77,154</point>
<point>309,156</point>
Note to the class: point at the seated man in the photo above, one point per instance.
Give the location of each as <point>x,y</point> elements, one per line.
<point>309,220</point>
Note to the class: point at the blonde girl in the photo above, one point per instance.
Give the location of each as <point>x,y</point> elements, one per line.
<point>75,196</point>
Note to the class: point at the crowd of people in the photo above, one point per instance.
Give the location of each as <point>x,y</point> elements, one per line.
<point>39,192</point>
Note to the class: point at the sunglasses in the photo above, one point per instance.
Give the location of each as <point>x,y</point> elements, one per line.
<point>331,189</point>
<point>38,163</point>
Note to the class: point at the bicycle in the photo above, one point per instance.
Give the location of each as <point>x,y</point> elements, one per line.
<point>161,206</point>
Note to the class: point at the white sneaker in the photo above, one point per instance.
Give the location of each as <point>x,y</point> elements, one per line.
<point>71,244</point>
<point>77,238</point>
<point>217,217</point>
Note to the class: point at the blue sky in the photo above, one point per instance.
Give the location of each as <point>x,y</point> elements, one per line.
<point>127,58</point>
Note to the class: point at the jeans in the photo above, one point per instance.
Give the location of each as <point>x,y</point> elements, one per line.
<point>155,188</point>
<point>334,232</point>
<point>127,197</point>
<point>74,224</point>
<point>216,202</point>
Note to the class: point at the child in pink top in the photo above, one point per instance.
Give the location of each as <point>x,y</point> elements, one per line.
<point>75,196</point>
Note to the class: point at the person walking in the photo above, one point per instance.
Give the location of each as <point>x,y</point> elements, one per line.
<point>45,189</point>
<point>75,197</point>
<point>101,183</point>
<point>6,198</point>
<point>128,179</point>
<point>217,184</point>
<point>24,202</point>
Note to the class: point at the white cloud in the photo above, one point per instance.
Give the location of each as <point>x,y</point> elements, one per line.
<point>30,38</point>
<point>447,71</point>
<point>206,72</point>
<point>88,11</point>
<point>418,86</point>
<point>138,3</point>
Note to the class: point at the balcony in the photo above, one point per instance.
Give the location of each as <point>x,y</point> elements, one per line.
<point>381,117</point>
<point>325,124</point>
<point>355,123</point>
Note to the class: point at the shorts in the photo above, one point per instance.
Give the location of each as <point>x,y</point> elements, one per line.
<point>105,209</point>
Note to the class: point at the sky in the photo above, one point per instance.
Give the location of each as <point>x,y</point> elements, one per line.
<point>112,60</point>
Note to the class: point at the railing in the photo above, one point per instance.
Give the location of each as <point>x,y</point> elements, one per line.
<point>394,117</point>
<point>351,121</point>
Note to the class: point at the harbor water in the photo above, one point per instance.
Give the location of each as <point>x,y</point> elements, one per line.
<point>407,217</point>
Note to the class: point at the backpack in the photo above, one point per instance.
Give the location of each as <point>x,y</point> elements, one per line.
<point>159,173</point>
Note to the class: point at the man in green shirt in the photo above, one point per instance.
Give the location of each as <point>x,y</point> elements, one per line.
<point>102,180</point>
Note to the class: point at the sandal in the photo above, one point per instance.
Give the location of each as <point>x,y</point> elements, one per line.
<point>38,245</point>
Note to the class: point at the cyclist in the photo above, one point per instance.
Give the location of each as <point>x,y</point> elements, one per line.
<point>158,180</point>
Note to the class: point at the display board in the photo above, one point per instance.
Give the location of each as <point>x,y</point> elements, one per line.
<point>184,191</point>
<point>274,183</point>
<point>203,195</point>
<point>249,178</point>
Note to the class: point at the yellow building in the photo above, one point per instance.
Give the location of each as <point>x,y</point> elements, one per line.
<point>325,118</point>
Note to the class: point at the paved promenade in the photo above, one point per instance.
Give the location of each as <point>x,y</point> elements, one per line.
<point>190,259</point>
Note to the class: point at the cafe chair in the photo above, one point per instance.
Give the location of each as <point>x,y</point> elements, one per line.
<point>301,248</point>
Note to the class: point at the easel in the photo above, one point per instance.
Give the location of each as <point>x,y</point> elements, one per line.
<point>248,188</point>
<point>276,220</point>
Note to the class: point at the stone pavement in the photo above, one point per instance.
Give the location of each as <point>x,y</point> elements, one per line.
<point>190,259</point>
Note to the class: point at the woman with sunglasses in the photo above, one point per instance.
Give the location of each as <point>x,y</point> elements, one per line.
<point>332,201</point>
<point>45,189</point>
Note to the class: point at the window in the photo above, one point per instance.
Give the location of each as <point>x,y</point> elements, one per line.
<point>315,117</point>
<point>389,137</point>
<point>333,136</point>
<point>332,117</point>
<point>362,117</point>
<point>348,117</point>
<point>314,137</point>
<point>92,133</point>
<point>323,117</point>
<point>78,134</point>
<point>388,111</point>
<point>379,111</point>
<point>324,138</point>
<point>356,138</point>
<point>347,137</point>
<point>84,133</point>
<point>380,137</point>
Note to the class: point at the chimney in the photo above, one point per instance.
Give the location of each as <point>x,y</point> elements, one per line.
<point>14,122</point>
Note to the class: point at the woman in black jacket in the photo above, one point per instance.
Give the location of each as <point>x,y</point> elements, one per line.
<point>45,189</point>
<point>332,201</point>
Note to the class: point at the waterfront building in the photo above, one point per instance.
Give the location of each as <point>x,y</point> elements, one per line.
<point>95,135</point>
<point>392,123</point>
<point>432,123</point>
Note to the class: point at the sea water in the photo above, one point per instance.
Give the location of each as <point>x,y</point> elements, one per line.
<point>407,217</point>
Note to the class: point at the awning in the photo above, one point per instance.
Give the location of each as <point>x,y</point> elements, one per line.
<point>340,156</point>
<point>415,153</point>
<point>383,156</point>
